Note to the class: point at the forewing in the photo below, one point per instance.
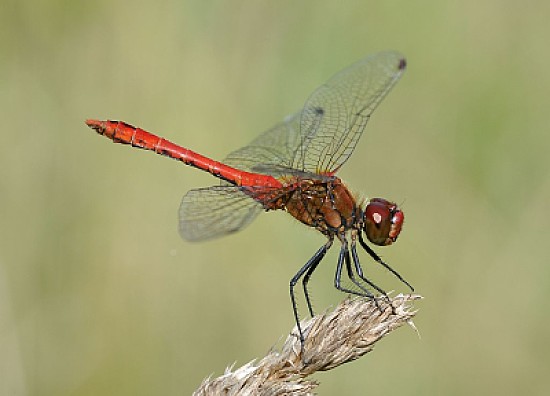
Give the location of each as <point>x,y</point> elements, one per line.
<point>270,153</point>
<point>211,212</point>
<point>336,114</point>
<point>321,137</point>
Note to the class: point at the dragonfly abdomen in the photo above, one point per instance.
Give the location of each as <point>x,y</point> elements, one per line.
<point>121,132</point>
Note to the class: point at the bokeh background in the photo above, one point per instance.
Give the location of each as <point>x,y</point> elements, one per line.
<point>100,296</point>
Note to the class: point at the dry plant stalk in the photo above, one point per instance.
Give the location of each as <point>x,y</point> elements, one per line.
<point>332,339</point>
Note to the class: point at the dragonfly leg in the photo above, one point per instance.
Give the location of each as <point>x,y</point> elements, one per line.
<point>381,262</point>
<point>344,257</point>
<point>359,271</point>
<point>308,274</point>
<point>307,269</point>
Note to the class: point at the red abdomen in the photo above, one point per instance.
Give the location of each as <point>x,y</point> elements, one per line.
<point>120,132</point>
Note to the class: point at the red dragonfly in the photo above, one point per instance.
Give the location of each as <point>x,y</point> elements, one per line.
<point>292,167</point>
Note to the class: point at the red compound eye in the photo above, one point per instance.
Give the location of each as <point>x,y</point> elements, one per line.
<point>383,221</point>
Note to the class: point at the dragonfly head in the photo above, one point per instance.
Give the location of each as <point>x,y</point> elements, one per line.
<point>382,221</point>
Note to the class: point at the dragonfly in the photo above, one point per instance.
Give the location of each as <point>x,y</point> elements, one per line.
<point>292,167</point>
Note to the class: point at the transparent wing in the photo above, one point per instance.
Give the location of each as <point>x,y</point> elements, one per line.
<point>334,117</point>
<point>271,152</point>
<point>321,137</point>
<point>211,212</point>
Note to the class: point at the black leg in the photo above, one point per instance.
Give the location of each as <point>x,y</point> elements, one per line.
<point>305,281</point>
<point>351,276</point>
<point>381,262</point>
<point>359,271</point>
<point>307,269</point>
<point>344,256</point>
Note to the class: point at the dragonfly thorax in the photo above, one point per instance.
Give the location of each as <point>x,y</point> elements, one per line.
<point>325,204</point>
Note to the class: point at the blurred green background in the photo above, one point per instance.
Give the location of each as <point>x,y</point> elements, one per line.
<point>100,296</point>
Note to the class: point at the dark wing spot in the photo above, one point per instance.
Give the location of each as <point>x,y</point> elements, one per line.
<point>402,64</point>
<point>319,111</point>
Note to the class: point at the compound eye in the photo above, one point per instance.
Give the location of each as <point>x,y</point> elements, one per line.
<point>383,221</point>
